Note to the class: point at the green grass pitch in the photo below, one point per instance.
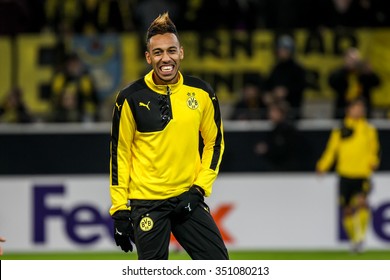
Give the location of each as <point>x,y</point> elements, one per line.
<point>234,255</point>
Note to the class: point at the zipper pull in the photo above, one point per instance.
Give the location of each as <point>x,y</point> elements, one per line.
<point>168,90</point>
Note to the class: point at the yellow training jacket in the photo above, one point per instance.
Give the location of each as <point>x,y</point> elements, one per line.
<point>354,148</point>
<point>155,140</point>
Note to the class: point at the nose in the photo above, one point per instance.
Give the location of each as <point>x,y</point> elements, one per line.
<point>165,57</point>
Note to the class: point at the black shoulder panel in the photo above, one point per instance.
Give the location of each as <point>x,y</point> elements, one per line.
<point>133,88</point>
<point>198,83</point>
<point>146,106</point>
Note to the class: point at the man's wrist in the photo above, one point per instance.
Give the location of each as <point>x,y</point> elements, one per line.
<point>199,189</point>
<point>121,215</point>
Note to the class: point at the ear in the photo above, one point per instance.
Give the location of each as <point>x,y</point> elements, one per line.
<point>181,55</point>
<point>147,56</point>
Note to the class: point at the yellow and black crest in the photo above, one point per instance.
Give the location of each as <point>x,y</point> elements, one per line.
<point>192,103</point>
<point>146,223</point>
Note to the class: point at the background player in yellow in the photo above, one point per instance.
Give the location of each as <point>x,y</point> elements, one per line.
<point>354,148</point>
<point>155,160</point>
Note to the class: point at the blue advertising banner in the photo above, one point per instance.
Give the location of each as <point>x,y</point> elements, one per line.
<point>102,56</point>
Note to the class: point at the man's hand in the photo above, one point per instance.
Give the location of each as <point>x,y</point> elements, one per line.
<point>189,200</point>
<point>123,230</point>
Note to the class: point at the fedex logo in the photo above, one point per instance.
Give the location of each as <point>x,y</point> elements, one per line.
<point>74,217</point>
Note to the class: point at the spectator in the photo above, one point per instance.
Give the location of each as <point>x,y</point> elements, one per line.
<point>287,79</point>
<point>353,79</point>
<point>279,147</point>
<point>250,106</point>
<point>13,109</point>
<point>74,95</point>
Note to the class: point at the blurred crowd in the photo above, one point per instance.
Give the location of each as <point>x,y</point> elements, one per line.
<point>288,79</point>
<point>85,16</point>
<point>72,89</point>
<point>73,97</point>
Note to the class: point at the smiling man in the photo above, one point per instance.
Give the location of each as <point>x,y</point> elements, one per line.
<point>155,162</point>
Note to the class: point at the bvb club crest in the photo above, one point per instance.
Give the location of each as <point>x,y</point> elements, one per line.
<point>192,103</point>
<point>146,223</point>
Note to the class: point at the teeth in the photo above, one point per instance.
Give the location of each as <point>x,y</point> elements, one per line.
<point>166,68</point>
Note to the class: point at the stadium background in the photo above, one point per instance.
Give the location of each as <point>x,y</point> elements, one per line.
<point>223,58</point>
<point>53,177</point>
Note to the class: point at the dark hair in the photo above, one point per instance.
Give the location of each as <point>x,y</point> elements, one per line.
<point>161,25</point>
<point>286,42</point>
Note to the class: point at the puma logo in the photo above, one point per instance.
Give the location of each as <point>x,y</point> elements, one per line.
<point>144,105</point>
<point>118,106</point>
<point>188,207</point>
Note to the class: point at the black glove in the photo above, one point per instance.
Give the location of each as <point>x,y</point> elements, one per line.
<point>189,200</point>
<point>123,230</point>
